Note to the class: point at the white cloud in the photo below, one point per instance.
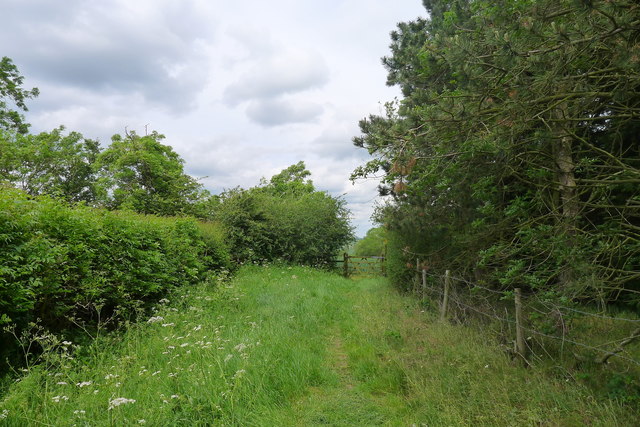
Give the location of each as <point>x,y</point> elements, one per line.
<point>240,89</point>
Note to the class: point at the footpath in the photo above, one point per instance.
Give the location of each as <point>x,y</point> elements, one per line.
<point>292,346</point>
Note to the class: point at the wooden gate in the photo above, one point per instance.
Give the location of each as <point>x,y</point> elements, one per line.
<point>363,266</point>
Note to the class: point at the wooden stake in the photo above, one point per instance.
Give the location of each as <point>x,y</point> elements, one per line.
<point>521,346</point>
<point>346,265</point>
<point>445,298</point>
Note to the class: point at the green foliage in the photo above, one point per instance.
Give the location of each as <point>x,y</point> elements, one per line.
<point>298,347</point>
<point>513,156</point>
<point>373,243</point>
<point>284,219</point>
<point>50,163</point>
<point>141,174</point>
<point>12,96</point>
<point>58,262</point>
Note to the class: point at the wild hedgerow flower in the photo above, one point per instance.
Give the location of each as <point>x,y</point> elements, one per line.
<point>61,383</point>
<point>84,384</point>
<point>110,376</point>
<point>57,399</point>
<point>155,319</point>
<point>119,401</point>
<point>4,414</point>
<point>142,421</point>
<point>238,374</point>
<point>164,325</point>
<point>79,412</point>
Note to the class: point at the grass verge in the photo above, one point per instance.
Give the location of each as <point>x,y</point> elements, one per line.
<point>283,346</point>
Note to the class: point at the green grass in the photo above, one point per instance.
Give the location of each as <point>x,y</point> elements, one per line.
<point>283,346</point>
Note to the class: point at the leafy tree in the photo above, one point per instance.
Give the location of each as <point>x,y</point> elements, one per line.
<point>373,244</point>
<point>142,174</point>
<point>52,163</point>
<point>511,157</point>
<point>291,180</point>
<point>13,96</point>
<point>285,218</point>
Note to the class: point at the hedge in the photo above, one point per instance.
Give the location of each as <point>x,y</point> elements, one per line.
<point>58,260</point>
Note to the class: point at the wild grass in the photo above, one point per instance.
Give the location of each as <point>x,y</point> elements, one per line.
<point>282,346</point>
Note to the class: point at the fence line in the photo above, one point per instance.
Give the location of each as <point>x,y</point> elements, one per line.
<point>448,296</point>
<point>546,303</point>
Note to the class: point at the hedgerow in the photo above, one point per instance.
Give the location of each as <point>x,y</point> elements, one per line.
<point>60,262</point>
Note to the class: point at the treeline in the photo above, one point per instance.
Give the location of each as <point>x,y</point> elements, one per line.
<point>512,158</point>
<point>89,233</point>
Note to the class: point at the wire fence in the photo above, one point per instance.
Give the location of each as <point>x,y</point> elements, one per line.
<point>458,297</point>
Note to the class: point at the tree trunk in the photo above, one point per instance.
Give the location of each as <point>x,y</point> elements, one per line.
<point>568,207</point>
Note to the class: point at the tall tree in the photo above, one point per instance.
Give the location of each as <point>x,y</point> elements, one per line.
<point>144,175</point>
<point>52,163</point>
<point>13,97</point>
<point>513,146</point>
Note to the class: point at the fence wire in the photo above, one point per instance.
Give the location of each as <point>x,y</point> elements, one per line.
<point>453,298</point>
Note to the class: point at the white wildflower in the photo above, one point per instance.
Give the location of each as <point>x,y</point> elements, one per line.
<point>79,412</point>
<point>164,325</point>
<point>228,357</point>
<point>238,374</point>
<point>84,384</point>
<point>155,319</point>
<point>240,347</point>
<point>120,401</point>
<point>66,343</point>
<point>61,383</point>
<point>110,376</point>
<point>164,301</point>
<point>142,421</point>
<point>197,328</point>
<point>186,344</point>
<point>4,414</point>
<point>155,373</point>
<point>57,399</point>
<point>175,396</point>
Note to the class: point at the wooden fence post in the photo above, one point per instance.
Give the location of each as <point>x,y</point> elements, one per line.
<point>424,283</point>
<point>445,297</point>
<point>416,282</point>
<point>521,346</point>
<point>346,265</point>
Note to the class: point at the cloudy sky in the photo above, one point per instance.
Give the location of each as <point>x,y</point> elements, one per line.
<point>240,89</point>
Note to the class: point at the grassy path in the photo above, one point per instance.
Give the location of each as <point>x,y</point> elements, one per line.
<point>297,347</point>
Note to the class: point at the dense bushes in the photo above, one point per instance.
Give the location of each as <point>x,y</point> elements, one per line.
<point>373,244</point>
<point>507,159</point>
<point>58,261</point>
<point>284,219</point>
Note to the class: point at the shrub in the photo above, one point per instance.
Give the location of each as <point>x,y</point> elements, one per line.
<point>59,261</point>
<point>285,219</point>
